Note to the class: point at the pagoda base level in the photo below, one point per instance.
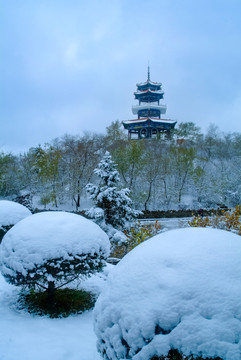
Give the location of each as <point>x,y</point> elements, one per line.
<point>148,133</point>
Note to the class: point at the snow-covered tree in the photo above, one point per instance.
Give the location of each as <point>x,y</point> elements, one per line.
<point>80,158</point>
<point>106,195</point>
<point>113,210</point>
<point>115,133</point>
<point>9,175</point>
<point>11,213</point>
<point>50,249</point>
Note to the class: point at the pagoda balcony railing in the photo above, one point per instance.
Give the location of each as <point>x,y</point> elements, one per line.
<point>145,106</point>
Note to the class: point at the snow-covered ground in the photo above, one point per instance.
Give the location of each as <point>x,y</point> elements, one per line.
<point>28,337</point>
<point>206,261</point>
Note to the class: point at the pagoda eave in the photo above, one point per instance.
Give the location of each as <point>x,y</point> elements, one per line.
<point>149,123</point>
<point>148,95</point>
<point>141,92</point>
<point>149,82</point>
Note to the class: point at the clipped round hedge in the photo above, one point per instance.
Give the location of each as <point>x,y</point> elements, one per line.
<point>177,293</point>
<point>50,248</point>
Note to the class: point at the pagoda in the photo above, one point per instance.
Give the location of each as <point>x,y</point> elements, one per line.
<point>149,123</point>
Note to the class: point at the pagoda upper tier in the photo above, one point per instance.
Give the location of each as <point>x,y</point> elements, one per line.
<point>149,95</point>
<point>149,85</point>
<point>149,91</point>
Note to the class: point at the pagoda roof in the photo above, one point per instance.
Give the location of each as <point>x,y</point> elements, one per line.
<point>138,92</point>
<point>153,120</point>
<point>149,95</point>
<point>149,82</point>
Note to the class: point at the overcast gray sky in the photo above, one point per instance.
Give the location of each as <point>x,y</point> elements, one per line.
<point>72,66</point>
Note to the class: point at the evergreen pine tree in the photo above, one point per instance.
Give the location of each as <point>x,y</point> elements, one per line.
<point>115,203</point>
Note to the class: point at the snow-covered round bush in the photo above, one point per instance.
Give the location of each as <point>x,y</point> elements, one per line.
<point>178,291</point>
<point>11,213</point>
<point>49,249</point>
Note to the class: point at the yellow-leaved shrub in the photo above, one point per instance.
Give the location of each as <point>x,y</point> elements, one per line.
<point>229,220</point>
<point>136,235</point>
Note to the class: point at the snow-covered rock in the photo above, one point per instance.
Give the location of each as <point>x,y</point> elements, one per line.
<point>52,246</point>
<point>12,212</point>
<point>178,290</point>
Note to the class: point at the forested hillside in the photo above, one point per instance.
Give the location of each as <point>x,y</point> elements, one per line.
<point>191,170</point>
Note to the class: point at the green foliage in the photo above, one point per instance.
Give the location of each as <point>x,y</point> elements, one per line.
<point>198,172</point>
<point>47,199</point>
<point>46,161</point>
<point>188,130</point>
<point>115,132</point>
<point>229,220</point>
<point>9,171</point>
<point>60,270</point>
<point>45,166</point>
<point>183,159</point>
<point>66,302</point>
<point>129,159</point>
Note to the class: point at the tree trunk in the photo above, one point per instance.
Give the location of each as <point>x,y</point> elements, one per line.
<point>148,196</point>
<point>51,294</point>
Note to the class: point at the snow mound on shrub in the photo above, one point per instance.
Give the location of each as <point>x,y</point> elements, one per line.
<point>179,290</point>
<point>12,212</point>
<point>49,235</point>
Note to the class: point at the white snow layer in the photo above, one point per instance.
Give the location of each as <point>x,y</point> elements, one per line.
<point>49,235</point>
<point>12,212</point>
<point>25,336</point>
<point>178,290</point>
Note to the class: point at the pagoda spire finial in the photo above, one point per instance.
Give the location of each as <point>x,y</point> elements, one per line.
<point>148,73</point>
